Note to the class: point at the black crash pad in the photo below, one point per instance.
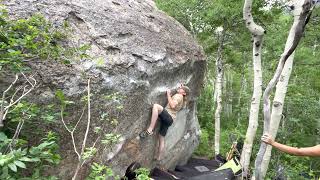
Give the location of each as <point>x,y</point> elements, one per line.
<point>226,174</point>
<point>195,169</point>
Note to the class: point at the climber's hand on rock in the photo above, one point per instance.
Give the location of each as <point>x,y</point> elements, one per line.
<point>168,92</point>
<point>267,139</point>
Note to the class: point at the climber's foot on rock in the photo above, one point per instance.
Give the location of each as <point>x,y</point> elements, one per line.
<point>145,134</point>
<point>160,166</point>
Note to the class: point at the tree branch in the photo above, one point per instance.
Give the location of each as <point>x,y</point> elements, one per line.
<point>89,120</point>
<point>5,109</point>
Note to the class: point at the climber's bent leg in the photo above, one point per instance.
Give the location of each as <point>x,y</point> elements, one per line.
<point>156,110</point>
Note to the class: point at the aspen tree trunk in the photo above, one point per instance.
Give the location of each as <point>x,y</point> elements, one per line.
<point>242,89</point>
<point>302,13</point>
<point>230,96</point>
<point>315,47</point>
<point>218,91</point>
<point>242,81</point>
<point>277,108</point>
<point>227,91</point>
<point>278,103</point>
<point>214,93</point>
<point>257,35</point>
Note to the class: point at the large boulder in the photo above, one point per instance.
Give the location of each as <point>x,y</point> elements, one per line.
<point>137,51</point>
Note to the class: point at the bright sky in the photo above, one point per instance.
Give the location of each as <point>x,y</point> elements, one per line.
<point>271,3</point>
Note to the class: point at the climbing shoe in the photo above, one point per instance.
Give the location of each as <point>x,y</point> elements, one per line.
<point>144,134</point>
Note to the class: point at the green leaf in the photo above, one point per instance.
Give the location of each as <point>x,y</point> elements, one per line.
<point>45,144</point>
<point>36,159</point>
<point>109,172</point>
<point>69,102</point>
<point>2,161</point>
<point>100,62</point>
<point>11,50</point>
<point>49,160</point>
<point>60,95</point>
<point>13,167</point>
<point>26,159</point>
<point>5,172</point>
<point>3,137</point>
<point>20,164</point>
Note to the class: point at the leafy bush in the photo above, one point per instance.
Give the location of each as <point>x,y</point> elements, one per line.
<point>101,172</point>
<point>205,147</point>
<point>143,174</point>
<point>14,161</point>
<point>34,38</point>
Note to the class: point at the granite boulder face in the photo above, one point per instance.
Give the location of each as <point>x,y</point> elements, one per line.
<point>138,52</point>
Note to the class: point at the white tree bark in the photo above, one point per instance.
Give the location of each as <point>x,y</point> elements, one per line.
<point>257,35</point>
<point>217,113</point>
<point>277,108</point>
<point>302,12</point>
<point>227,91</point>
<point>218,91</point>
<point>278,103</point>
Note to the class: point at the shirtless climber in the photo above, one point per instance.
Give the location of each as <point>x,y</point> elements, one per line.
<point>166,115</point>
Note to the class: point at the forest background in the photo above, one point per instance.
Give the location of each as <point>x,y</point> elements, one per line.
<point>300,122</point>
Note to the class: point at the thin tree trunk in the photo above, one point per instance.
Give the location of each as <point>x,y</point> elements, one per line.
<point>226,90</point>
<point>302,14</point>
<point>242,89</point>
<point>214,93</point>
<point>77,170</point>
<point>257,35</point>
<point>315,47</point>
<point>277,108</point>
<point>230,94</point>
<point>218,91</point>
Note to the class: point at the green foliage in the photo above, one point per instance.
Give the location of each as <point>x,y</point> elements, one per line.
<point>142,174</point>
<point>22,108</point>
<point>101,172</point>
<point>97,130</point>
<point>63,101</point>
<point>205,147</point>
<point>23,41</point>
<point>34,38</point>
<point>26,39</point>
<point>112,121</point>
<point>89,153</point>
<point>110,139</point>
<point>206,108</point>
<point>30,115</point>
<point>98,171</point>
<point>300,124</point>
<point>35,158</point>
<point>104,117</point>
<point>24,111</point>
<point>115,97</point>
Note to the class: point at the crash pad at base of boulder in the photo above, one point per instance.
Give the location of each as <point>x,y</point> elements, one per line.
<point>191,171</point>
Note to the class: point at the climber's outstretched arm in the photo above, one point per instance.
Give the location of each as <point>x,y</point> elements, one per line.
<point>307,151</point>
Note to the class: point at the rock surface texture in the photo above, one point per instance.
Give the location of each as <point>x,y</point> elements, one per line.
<point>137,51</point>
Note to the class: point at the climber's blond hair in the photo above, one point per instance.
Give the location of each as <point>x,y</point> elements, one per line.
<point>185,97</point>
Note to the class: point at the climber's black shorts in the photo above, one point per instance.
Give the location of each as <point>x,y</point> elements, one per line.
<point>165,122</point>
